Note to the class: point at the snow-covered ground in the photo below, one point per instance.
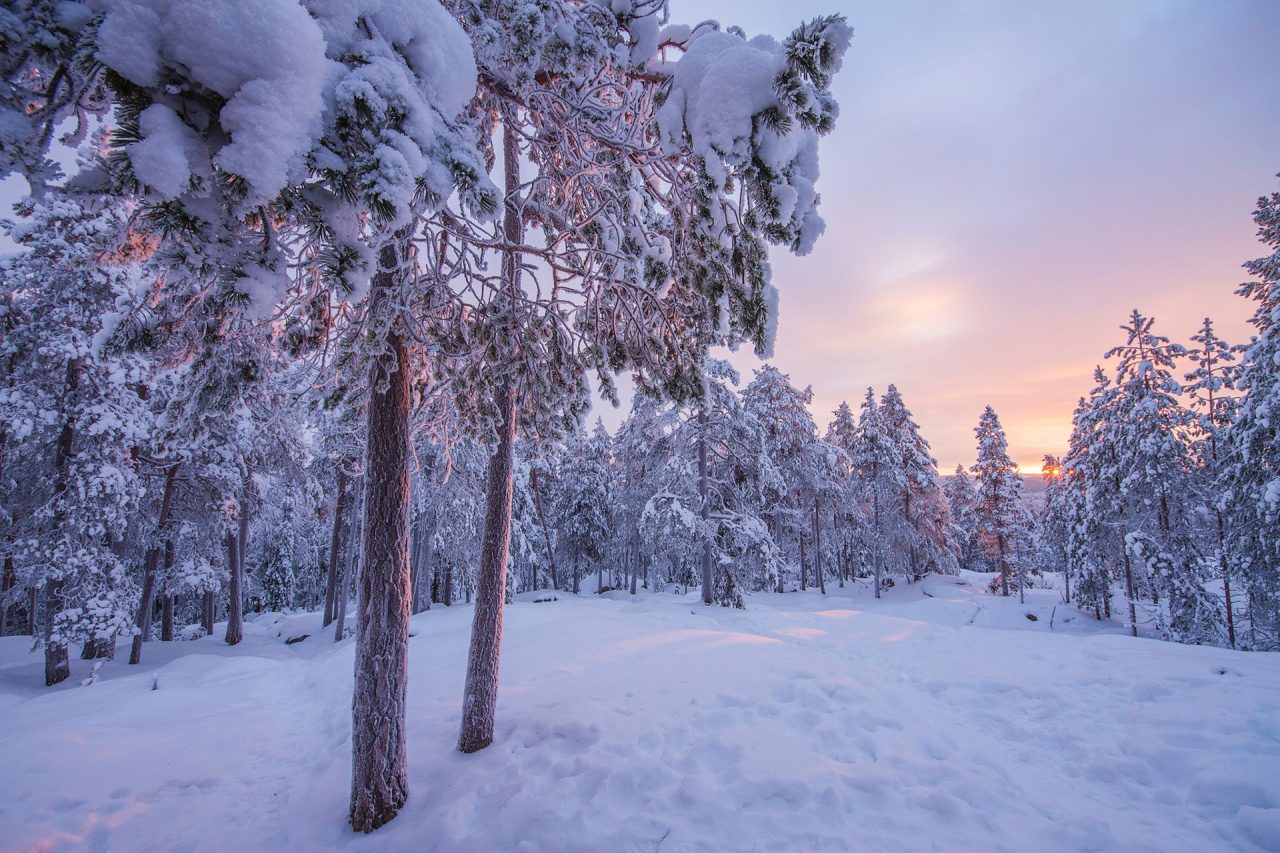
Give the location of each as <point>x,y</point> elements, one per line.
<point>939,718</point>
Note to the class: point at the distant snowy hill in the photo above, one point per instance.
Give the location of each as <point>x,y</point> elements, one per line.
<point>939,718</point>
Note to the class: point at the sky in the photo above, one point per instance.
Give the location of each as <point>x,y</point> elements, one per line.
<point>1006,182</point>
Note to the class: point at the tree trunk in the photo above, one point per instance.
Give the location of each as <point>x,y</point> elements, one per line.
<point>1226,580</point>
<point>817,547</point>
<point>235,612</point>
<point>1004,566</point>
<point>804,566</point>
<point>57,667</point>
<point>708,581</point>
<point>350,564</point>
<point>9,581</point>
<point>379,783</point>
<point>480,695</point>
<point>206,612</point>
<point>152,561</point>
<point>448,584</point>
<point>879,545</point>
<point>1128,583</point>
<point>335,546</point>
<point>576,562</point>
<point>546,531</point>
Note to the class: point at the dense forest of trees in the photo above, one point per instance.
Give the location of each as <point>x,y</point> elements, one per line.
<point>317,318</point>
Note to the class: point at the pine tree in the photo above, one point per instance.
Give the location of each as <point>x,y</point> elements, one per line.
<point>68,401</point>
<point>930,545</point>
<point>881,482</point>
<point>1002,518</point>
<point>1209,388</point>
<point>1250,478</point>
<point>962,501</point>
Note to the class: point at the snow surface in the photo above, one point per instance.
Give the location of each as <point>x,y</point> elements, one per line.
<point>939,717</point>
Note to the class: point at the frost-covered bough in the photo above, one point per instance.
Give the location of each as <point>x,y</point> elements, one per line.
<point>623,247</point>
<point>46,78</point>
<point>285,150</point>
<point>1250,477</point>
<point>71,420</point>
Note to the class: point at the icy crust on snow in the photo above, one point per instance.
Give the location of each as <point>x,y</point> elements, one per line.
<point>265,57</point>
<point>938,718</point>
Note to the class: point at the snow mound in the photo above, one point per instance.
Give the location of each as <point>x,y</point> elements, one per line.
<point>938,717</point>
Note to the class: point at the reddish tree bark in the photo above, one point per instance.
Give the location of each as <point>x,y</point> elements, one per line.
<point>379,784</point>
<point>480,695</point>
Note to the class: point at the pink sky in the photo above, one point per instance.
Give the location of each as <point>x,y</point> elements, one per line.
<point>1007,181</point>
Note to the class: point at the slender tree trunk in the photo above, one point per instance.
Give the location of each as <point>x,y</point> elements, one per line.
<point>7,583</point>
<point>1226,579</point>
<point>335,546</point>
<point>576,585</point>
<point>379,783</point>
<point>429,551</point>
<point>879,545</point>
<point>817,547</point>
<point>1128,583</point>
<point>206,611</point>
<point>350,565</point>
<point>480,695</point>
<point>635,568</point>
<point>448,583</point>
<point>1004,566</point>
<point>57,667</point>
<point>546,531</point>
<point>235,612</point>
<point>152,561</point>
<point>166,603</point>
<point>708,581</point>
<point>804,563</point>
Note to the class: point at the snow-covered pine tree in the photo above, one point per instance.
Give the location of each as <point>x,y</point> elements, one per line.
<point>1146,429</point>
<point>717,487</point>
<point>1195,615</point>
<point>1053,533</point>
<point>78,410</point>
<point>583,504</point>
<point>1002,517</point>
<point>1250,478</point>
<point>782,410</point>
<point>931,545</point>
<point>881,483</point>
<point>1209,387</point>
<point>962,501</point>
<point>1093,494</point>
